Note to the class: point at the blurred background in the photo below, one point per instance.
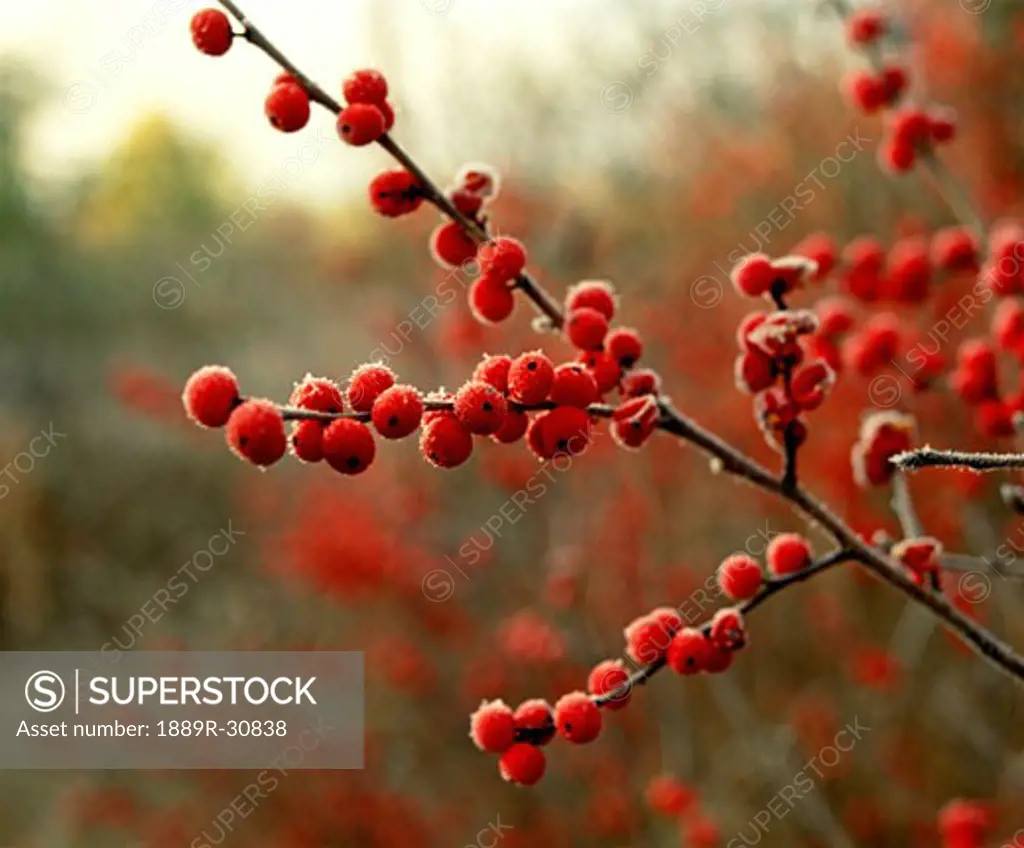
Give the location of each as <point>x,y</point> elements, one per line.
<point>643,143</point>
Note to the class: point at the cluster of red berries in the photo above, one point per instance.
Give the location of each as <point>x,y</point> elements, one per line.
<point>772,364</point>
<point>911,131</point>
<point>368,114</point>
<point>666,795</point>
<point>651,641</point>
<point>494,402</point>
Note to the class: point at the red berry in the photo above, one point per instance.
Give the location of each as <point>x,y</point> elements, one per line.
<point>479,179</point>
<point>318,394</point>
<point>360,124</point>
<point>255,431</point>
<point>864,26</point>
<point>955,249</point>
<point>592,294</point>
<point>624,346</point>
<point>866,91</point>
<point>535,438</point>
<point>586,328</point>
<point>467,202</point>
<point>835,317</point>
<point>896,155</point>
<point>307,440</point>
<point>820,248</point>
<point>513,428</point>
<point>503,258</point>
<point>565,431</point>
<point>481,408</point>
<point>211,32</point>
<point>739,577</point>
<point>395,193</point>
<point>445,442</point>
<point>397,412</point>
<point>530,377</point>
<point>754,372</point>
<point>577,718</point>
<point>606,370</point>
<point>450,246</point>
<point>882,436</point>
<point>491,299</point>
<point>634,422</point>
<point>1008,327</point>
<point>610,677</point>
<point>727,631</point>
<point>365,86</point>
<point>348,446</point>
<point>573,385</point>
<point>668,796</point>
<point>942,124</point>
<point>493,727</point>
<point>210,395</point>
<point>717,660</point>
<point>688,651</point>
<point>894,82</point>
<point>753,275</point>
<point>493,370</point>
<point>647,638</point>
<point>284,78</point>
<point>537,716</point>
<point>787,554</point>
<point>522,764</point>
<point>811,383</point>
<point>639,382</point>
<point>366,384</point>
<point>287,107</point>
<point>389,115</point>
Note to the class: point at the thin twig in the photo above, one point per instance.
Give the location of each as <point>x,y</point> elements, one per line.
<point>915,460</point>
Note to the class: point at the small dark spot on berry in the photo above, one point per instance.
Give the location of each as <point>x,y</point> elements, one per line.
<point>352,462</point>
<point>393,421</point>
<point>532,365</point>
<point>488,407</point>
<point>243,441</point>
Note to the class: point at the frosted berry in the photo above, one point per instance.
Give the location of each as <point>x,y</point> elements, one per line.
<point>481,408</point>
<point>210,395</point>
<point>318,394</point>
<point>365,86</point>
<point>573,385</point>
<point>647,638</point>
<point>255,431</point>
<point>494,371</point>
<point>450,246</point>
<point>307,440</point>
<point>360,124</point>
<point>753,275</point>
<point>640,381</point>
<point>592,294</point>
<point>610,677</point>
<point>493,727</point>
<point>727,632</point>
<point>397,412</point>
<point>634,421</point>
<point>530,377</point>
<point>586,328</point>
<point>739,577</point>
<point>688,651</point>
<point>788,553</point>
<point>394,193</point>
<point>504,258</point>
<point>513,428</point>
<point>624,346</point>
<point>445,442</point>
<point>366,384</point>
<point>287,107</point>
<point>606,370</point>
<point>348,446</point>
<point>566,431</point>
<point>522,764</point>
<point>491,299</point>
<point>211,32</point>
<point>577,718</point>
<point>864,26</point>
<point>537,717</point>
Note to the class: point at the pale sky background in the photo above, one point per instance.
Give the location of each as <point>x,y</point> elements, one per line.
<point>112,61</point>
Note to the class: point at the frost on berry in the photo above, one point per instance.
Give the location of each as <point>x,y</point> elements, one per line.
<point>573,385</point>
<point>522,764</point>
<point>787,554</point>
<point>577,718</point>
<point>503,258</point>
<point>397,412</point>
<point>348,446</point>
<point>366,384</point>
<point>882,436</point>
<point>920,556</point>
<point>530,377</point>
<point>318,394</point>
<point>365,86</point>
<point>688,651</point>
<point>592,294</point>
<point>481,408</point>
<point>445,442</point>
<point>727,631</point>
<point>210,395</point>
<point>255,432</point>
<point>739,577</point>
<point>536,718</point>
<point>493,727</point>
<point>610,678</point>
<point>586,328</point>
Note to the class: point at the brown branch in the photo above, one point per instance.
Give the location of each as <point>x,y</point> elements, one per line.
<point>726,457</point>
<point>915,460</point>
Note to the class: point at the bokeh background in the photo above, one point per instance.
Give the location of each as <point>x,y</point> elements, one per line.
<point>642,143</point>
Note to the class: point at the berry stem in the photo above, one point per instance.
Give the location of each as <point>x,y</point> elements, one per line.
<point>915,460</point>
<point>903,505</point>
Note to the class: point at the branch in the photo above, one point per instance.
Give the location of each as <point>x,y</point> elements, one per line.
<point>915,460</point>
<point>726,457</point>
